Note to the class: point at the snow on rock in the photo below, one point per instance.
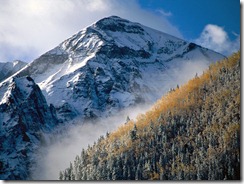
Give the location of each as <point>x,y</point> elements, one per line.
<point>24,116</point>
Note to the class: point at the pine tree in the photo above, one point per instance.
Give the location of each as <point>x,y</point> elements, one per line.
<point>133,133</point>
<point>61,176</point>
<point>127,119</point>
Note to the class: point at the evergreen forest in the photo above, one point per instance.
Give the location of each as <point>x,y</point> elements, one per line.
<point>191,133</point>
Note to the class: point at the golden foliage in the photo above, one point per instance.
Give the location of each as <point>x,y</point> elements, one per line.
<point>211,124</point>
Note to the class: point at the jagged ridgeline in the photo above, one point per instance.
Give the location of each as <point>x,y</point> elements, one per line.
<point>192,133</point>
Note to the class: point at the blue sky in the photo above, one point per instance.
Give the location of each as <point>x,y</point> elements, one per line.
<point>29,28</point>
<point>191,16</point>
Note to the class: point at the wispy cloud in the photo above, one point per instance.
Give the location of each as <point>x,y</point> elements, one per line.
<point>216,38</point>
<point>62,147</point>
<point>164,13</point>
<point>32,27</point>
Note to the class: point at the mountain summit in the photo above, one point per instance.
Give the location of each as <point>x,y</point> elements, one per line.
<point>111,65</point>
<point>9,68</point>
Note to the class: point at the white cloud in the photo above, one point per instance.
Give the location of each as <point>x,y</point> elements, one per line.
<point>61,148</point>
<point>216,38</point>
<point>163,12</point>
<point>32,27</point>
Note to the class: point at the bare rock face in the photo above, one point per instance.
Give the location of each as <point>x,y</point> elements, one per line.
<point>24,115</point>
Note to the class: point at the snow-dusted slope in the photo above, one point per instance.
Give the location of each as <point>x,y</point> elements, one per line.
<point>113,64</point>
<point>9,68</point>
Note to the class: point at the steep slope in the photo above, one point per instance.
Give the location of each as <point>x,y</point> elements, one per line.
<point>192,133</point>
<point>111,65</point>
<point>9,68</point>
<point>24,116</point>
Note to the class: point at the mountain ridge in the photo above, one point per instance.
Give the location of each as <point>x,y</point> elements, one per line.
<point>24,116</point>
<point>96,49</point>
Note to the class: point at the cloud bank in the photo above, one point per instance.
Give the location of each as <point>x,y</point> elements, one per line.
<point>31,27</point>
<point>62,147</point>
<point>216,38</point>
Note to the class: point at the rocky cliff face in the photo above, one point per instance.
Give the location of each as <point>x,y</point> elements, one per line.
<point>24,116</point>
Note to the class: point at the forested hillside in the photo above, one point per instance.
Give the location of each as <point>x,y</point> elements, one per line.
<point>192,133</point>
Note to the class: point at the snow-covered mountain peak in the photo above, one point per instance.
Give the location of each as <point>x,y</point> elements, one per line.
<point>18,62</point>
<point>24,86</point>
<point>117,24</point>
<point>9,68</point>
<point>112,64</point>
<point>116,37</point>
<point>109,66</point>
